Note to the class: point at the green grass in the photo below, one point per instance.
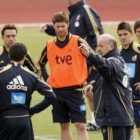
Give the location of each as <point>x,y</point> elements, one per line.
<point>42,123</point>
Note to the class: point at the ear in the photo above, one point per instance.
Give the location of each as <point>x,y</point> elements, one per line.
<point>131,34</point>
<point>2,37</point>
<point>68,24</point>
<point>111,47</point>
<point>53,25</point>
<point>24,58</point>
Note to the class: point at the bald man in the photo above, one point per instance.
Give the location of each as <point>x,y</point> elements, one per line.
<point>113,105</point>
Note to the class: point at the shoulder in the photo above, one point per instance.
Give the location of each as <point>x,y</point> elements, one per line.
<point>85,6</point>
<point>29,72</point>
<point>33,75</point>
<point>3,69</point>
<point>51,40</point>
<point>115,60</point>
<point>1,50</point>
<point>89,9</point>
<point>136,47</point>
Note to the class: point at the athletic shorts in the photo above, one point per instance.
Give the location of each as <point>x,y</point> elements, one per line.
<point>136,106</point>
<point>16,129</point>
<point>69,106</point>
<point>116,132</point>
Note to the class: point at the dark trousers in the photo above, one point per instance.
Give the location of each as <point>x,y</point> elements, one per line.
<point>16,129</point>
<point>116,132</point>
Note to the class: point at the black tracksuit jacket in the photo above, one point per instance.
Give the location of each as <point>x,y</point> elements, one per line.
<point>29,62</point>
<point>131,55</point>
<point>17,85</point>
<point>113,97</point>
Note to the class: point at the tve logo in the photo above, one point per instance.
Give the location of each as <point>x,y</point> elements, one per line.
<point>18,97</point>
<point>64,59</point>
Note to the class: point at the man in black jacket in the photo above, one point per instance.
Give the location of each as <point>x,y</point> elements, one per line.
<point>17,85</point>
<point>114,112</point>
<point>131,49</point>
<point>9,37</point>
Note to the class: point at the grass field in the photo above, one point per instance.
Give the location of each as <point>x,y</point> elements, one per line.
<point>44,129</point>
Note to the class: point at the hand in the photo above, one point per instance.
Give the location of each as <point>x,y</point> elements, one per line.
<point>137,85</point>
<point>43,28</point>
<point>88,89</point>
<point>84,49</point>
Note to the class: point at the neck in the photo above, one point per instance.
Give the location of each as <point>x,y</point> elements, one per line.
<point>19,62</point>
<point>7,48</point>
<point>61,38</point>
<point>127,45</point>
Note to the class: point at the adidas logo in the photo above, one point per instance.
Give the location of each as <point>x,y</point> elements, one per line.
<point>70,50</point>
<point>17,83</point>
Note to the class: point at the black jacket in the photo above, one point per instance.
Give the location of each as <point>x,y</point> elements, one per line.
<point>113,97</point>
<point>84,21</point>
<point>29,62</point>
<point>133,65</point>
<point>17,85</point>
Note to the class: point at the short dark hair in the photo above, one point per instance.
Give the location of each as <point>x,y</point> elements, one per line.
<point>124,26</point>
<point>136,24</point>
<point>60,17</point>
<point>17,52</point>
<point>8,27</point>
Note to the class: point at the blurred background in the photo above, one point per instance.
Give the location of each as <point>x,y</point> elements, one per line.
<point>41,11</point>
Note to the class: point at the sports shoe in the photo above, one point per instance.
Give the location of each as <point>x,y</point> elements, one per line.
<point>92,127</point>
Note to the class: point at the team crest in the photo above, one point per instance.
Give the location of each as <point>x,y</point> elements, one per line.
<point>134,58</point>
<point>77,24</point>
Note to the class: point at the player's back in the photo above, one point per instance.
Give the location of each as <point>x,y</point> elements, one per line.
<point>17,85</point>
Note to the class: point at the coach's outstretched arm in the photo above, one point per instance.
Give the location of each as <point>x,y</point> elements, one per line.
<point>106,67</point>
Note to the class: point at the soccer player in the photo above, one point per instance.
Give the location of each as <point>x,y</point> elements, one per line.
<point>9,37</point>
<point>17,85</point>
<point>68,74</point>
<point>131,54</point>
<point>84,22</point>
